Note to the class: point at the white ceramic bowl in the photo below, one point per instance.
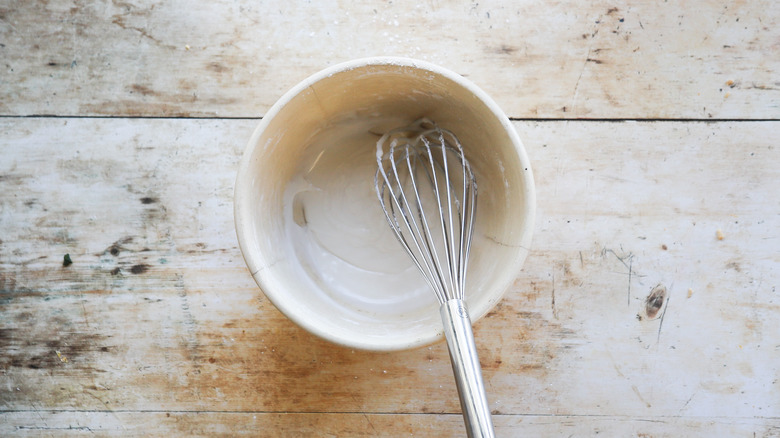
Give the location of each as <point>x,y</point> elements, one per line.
<point>308,222</point>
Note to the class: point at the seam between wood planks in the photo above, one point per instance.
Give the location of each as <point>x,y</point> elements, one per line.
<point>530,415</point>
<point>512,119</point>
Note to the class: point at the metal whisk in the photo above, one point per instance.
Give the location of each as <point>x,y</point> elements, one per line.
<point>429,195</point>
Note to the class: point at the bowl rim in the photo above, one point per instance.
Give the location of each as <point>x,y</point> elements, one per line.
<point>255,261</point>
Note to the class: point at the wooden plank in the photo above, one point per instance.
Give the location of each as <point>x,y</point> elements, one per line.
<point>157,312</point>
<point>540,59</point>
<point>646,204</point>
<point>262,424</point>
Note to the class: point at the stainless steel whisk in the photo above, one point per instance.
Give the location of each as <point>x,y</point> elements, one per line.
<point>429,195</point>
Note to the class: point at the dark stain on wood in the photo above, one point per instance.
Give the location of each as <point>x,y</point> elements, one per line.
<point>655,302</point>
<point>7,283</point>
<point>6,336</point>
<point>216,67</point>
<point>53,343</point>
<point>148,200</point>
<point>734,265</point>
<point>155,212</point>
<point>139,268</point>
<point>506,49</point>
<point>142,90</point>
<point>117,247</point>
<point>13,179</point>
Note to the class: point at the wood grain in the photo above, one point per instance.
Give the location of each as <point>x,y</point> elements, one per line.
<point>539,59</point>
<point>262,424</point>
<point>647,306</point>
<point>157,327</point>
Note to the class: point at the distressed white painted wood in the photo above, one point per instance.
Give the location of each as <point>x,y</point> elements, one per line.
<point>262,424</point>
<point>538,59</point>
<point>157,328</point>
<point>647,307</point>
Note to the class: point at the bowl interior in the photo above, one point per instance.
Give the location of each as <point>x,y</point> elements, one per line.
<point>309,223</point>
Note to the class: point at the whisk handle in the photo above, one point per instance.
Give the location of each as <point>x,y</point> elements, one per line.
<point>465,366</point>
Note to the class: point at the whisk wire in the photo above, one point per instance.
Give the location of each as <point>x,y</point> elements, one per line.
<point>446,280</point>
<point>466,212</point>
<point>424,238</point>
<point>424,232</point>
<point>445,224</point>
<point>435,232</point>
<point>469,207</point>
<point>419,234</point>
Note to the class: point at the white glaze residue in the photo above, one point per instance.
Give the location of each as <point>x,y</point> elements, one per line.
<point>338,230</point>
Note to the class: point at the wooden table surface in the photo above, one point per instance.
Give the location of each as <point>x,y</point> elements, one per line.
<point>648,305</point>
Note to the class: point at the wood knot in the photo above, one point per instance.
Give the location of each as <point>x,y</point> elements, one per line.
<point>654,303</point>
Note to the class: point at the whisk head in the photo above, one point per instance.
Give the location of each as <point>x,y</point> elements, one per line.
<point>428,192</point>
